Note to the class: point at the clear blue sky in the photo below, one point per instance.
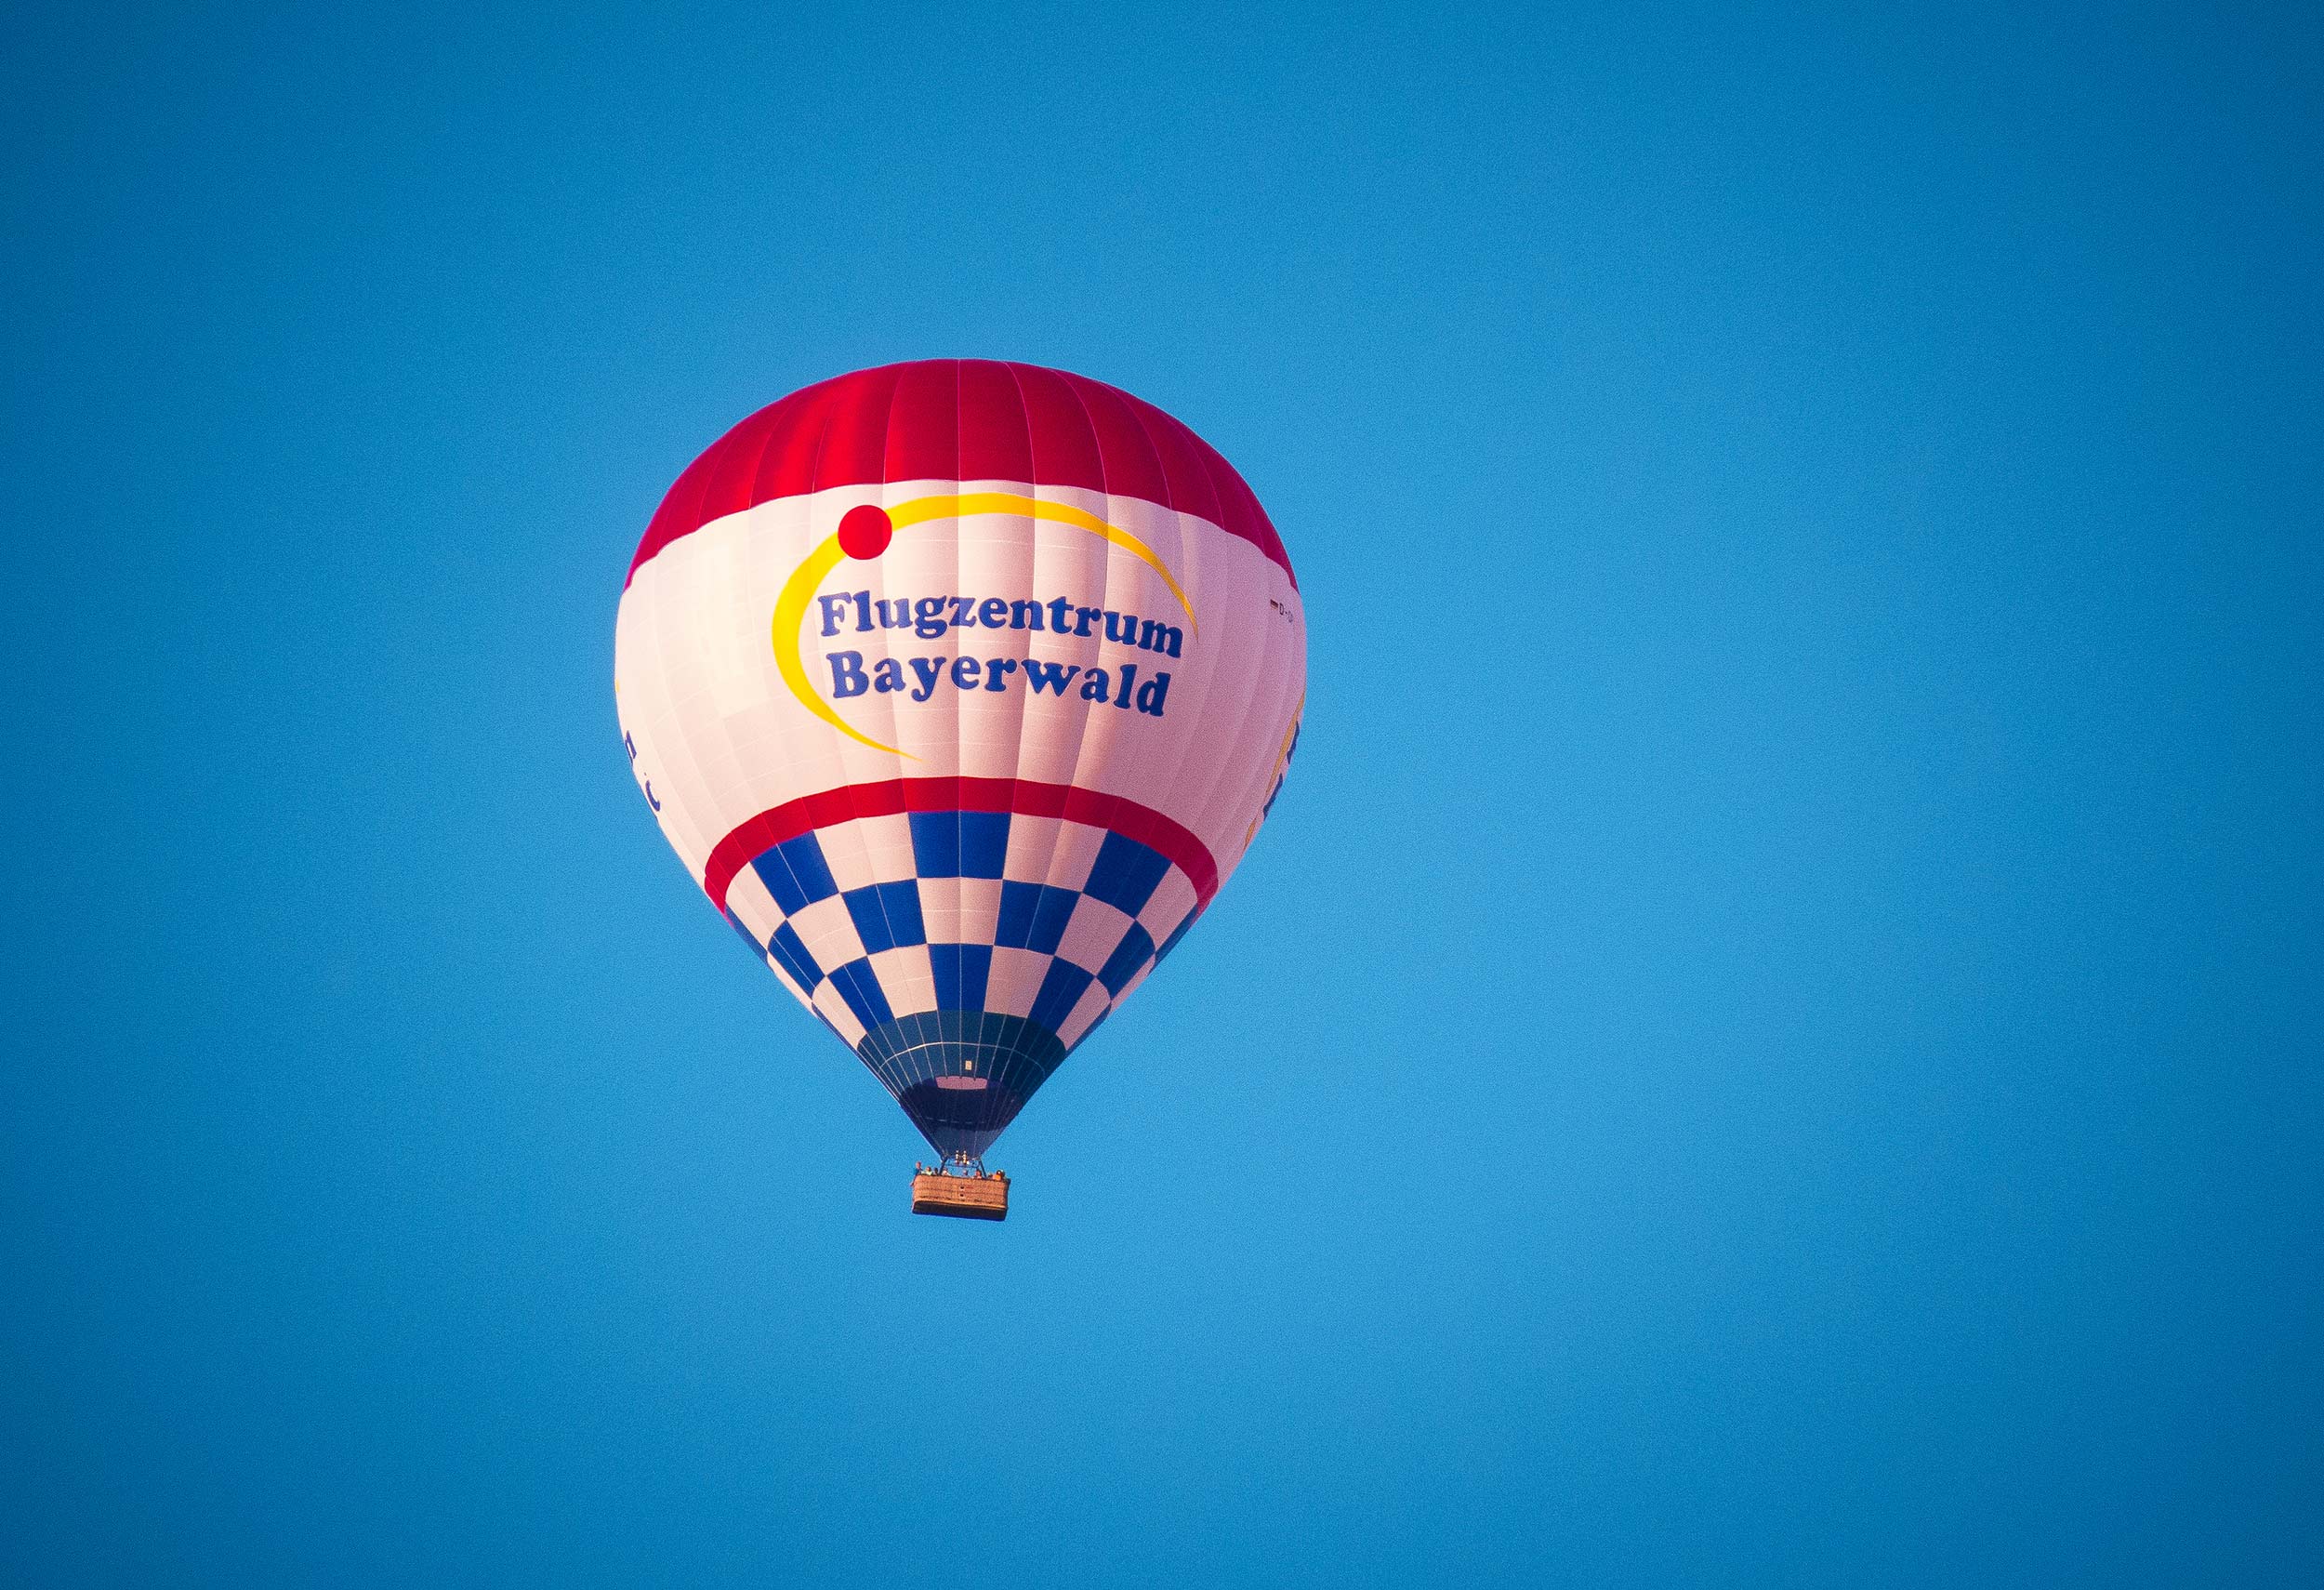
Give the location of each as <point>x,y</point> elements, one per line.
<point>1772,1037</point>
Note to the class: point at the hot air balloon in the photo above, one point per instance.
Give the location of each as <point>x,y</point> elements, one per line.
<point>960,687</point>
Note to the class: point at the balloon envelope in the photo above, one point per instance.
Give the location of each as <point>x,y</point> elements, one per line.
<point>960,687</point>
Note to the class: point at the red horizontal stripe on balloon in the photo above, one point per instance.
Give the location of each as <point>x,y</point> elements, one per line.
<point>830,807</point>
<point>961,420</point>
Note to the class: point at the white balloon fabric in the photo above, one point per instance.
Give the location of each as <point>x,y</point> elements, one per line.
<point>960,687</point>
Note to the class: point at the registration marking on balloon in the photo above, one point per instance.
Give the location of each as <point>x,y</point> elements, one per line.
<point>865,531</point>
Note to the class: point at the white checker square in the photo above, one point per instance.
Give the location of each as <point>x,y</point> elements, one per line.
<point>752,906</point>
<point>1091,934</point>
<point>1031,842</point>
<point>940,910</point>
<point>979,909</point>
<point>829,932</point>
<point>1075,853</point>
<point>1166,907</point>
<point>844,856</point>
<point>858,851</point>
<point>888,846</point>
<point>827,1001</point>
<point>1015,980</point>
<point>907,979</point>
<point>783,975</point>
<point>1083,1016</point>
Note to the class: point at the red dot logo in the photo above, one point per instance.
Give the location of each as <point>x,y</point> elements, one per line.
<point>864,532</point>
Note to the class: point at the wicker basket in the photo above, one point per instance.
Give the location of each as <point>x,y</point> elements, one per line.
<point>967,1198</point>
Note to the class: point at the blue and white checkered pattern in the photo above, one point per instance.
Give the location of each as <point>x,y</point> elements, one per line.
<point>885,917</point>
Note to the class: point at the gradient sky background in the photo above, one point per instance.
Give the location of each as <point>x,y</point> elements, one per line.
<point>1772,1037</point>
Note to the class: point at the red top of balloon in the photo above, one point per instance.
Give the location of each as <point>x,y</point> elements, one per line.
<point>961,420</point>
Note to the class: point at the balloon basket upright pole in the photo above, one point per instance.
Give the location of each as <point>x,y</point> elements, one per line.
<point>961,1187</point>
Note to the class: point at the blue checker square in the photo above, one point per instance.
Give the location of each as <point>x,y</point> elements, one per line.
<point>887,915</point>
<point>959,844</point>
<point>1124,873</point>
<point>791,952</point>
<point>1032,916</point>
<point>796,873</point>
<point>1135,950</point>
<point>736,923</point>
<point>1176,933</point>
<point>962,971</point>
<point>862,993</point>
<point>1061,991</point>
